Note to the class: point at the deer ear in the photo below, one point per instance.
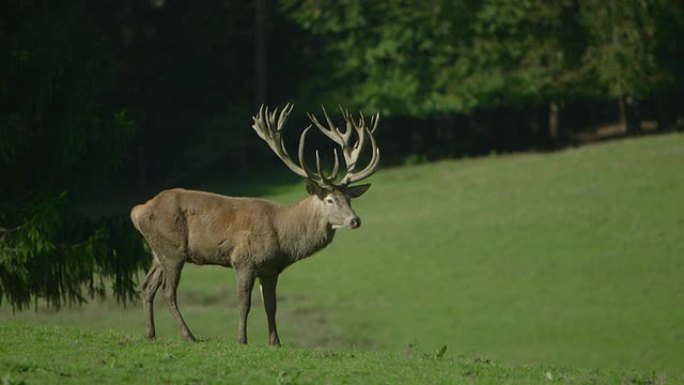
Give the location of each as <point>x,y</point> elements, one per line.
<point>357,191</point>
<point>314,188</point>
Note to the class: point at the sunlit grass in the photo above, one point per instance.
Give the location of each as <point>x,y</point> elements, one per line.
<point>72,356</point>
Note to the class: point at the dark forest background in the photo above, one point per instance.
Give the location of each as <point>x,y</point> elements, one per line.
<point>111,99</point>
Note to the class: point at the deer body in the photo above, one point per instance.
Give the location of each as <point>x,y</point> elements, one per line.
<point>214,229</point>
<point>256,237</point>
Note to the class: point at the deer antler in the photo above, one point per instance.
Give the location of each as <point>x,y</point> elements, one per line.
<point>269,126</point>
<point>351,151</point>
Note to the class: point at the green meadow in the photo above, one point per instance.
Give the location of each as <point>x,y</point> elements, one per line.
<point>563,267</point>
<point>51,355</point>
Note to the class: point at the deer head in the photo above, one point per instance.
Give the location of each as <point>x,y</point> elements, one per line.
<point>334,192</point>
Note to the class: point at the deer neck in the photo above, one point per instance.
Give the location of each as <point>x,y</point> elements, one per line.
<point>303,229</point>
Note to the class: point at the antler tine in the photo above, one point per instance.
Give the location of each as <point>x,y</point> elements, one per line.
<point>300,154</point>
<point>318,165</point>
<point>256,125</point>
<point>336,166</point>
<point>340,138</point>
<point>318,176</point>
<point>331,132</point>
<point>263,124</point>
<point>372,166</point>
<point>284,114</point>
<point>330,123</point>
<point>351,152</point>
<point>360,132</point>
<point>363,131</point>
<point>374,121</point>
<point>333,175</point>
<point>348,128</point>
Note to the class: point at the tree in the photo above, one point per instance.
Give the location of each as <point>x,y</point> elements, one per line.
<point>437,58</point>
<point>59,135</point>
<point>383,55</point>
<point>626,55</point>
<point>440,56</point>
<point>431,59</point>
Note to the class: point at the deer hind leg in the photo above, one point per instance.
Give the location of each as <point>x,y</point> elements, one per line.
<point>153,280</point>
<point>172,272</point>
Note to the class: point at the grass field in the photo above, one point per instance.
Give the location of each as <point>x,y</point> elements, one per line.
<point>572,259</point>
<point>73,356</point>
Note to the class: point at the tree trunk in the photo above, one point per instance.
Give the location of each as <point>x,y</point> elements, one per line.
<point>142,172</point>
<point>260,95</point>
<point>667,112</point>
<point>260,53</point>
<point>629,115</point>
<point>554,120</point>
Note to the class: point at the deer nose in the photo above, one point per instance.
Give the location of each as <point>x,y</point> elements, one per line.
<point>355,222</point>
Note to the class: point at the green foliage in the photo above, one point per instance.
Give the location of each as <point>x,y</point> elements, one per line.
<point>164,89</point>
<point>520,53</point>
<point>48,355</point>
<point>54,253</point>
<point>383,55</point>
<point>628,52</point>
<point>59,137</point>
<point>430,58</point>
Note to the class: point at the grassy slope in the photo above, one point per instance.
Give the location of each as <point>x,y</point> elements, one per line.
<point>573,258</point>
<point>70,355</point>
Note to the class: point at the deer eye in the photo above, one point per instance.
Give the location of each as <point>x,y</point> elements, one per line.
<point>329,201</point>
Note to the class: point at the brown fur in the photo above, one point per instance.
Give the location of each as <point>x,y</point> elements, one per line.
<point>258,238</point>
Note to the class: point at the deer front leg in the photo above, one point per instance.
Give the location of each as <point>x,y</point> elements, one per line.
<point>245,283</point>
<point>268,294</point>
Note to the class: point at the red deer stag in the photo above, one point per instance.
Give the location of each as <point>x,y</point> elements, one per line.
<point>256,237</point>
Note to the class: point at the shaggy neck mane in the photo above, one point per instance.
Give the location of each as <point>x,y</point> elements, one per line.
<point>302,229</point>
